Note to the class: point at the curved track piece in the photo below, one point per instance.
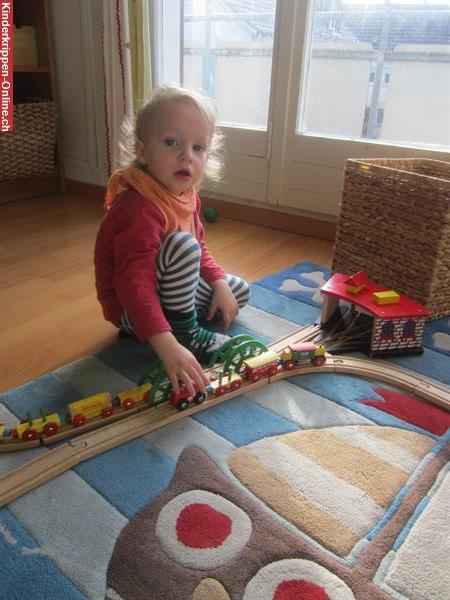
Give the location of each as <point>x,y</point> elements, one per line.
<point>29,476</point>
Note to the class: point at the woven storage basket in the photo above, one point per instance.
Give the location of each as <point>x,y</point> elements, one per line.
<point>394,223</point>
<point>30,148</point>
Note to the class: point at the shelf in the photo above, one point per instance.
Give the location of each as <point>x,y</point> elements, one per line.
<point>34,79</point>
<point>25,69</point>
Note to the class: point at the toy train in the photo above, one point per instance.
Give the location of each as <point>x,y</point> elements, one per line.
<point>91,411</point>
<point>78,414</point>
<point>269,363</point>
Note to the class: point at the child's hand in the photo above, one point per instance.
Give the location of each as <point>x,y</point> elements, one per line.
<point>223,299</point>
<point>179,363</point>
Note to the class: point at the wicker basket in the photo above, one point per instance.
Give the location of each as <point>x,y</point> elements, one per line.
<point>394,224</point>
<point>30,148</point>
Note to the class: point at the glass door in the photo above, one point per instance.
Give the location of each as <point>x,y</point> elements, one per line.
<point>225,48</point>
<point>301,86</point>
<point>367,79</point>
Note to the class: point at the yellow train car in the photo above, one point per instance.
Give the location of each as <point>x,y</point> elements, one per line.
<point>30,429</point>
<point>98,405</point>
<point>129,398</point>
<point>262,365</point>
<point>302,352</point>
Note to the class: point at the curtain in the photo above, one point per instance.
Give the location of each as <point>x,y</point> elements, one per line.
<point>118,88</point>
<point>141,70</point>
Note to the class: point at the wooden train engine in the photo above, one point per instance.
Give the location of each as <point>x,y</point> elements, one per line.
<point>302,352</point>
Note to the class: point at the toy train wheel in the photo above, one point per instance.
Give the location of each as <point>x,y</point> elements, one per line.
<point>30,434</point>
<point>289,365</point>
<point>199,398</point>
<point>183,405</point>
<point>107,411</point>
<point>78,420</point>
<point>318,361</point>
<point>273,370</point>
<point>127,403</point>
<point>236,384</point>
<point>254,377</point>
<point>51,428</point>
<point>221,389</point>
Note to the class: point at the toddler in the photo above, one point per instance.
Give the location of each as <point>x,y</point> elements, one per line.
<point>153,270</point>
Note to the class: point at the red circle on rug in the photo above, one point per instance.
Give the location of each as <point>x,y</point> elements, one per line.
<point>296,589</point>
<point>201,526</point>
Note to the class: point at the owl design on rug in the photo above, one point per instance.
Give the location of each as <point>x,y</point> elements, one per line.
<point>206,537</point>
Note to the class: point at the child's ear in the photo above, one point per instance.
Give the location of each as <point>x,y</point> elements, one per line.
<point>140,152</point>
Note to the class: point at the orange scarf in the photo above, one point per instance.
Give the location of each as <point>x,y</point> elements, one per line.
<point>178,211</point>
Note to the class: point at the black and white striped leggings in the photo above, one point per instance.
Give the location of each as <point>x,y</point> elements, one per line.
<point>180,287</point>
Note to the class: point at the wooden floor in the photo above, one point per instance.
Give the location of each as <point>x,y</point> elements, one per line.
<point>49,312</point>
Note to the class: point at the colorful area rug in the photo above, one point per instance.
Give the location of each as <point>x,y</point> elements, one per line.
<point>318,487</point>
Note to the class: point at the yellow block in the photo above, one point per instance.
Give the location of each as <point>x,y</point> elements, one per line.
<point>353,289</point>
<point>389,297</point>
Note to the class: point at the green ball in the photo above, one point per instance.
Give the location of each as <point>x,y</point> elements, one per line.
<point>211,214</point>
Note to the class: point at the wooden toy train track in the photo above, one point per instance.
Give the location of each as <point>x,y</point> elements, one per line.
<point>143,420</point>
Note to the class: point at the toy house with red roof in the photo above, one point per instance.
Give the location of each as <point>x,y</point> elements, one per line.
<point>366,316</point>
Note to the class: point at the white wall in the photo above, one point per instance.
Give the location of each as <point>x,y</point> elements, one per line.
<point>234,73</point>
<point>403,117</point>
<point>337,95</point>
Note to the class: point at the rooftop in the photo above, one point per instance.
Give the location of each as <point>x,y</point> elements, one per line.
<point>337,286</point>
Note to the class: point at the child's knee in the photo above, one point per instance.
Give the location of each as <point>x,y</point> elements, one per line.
<point>179,237</point>
<point>179,245</point>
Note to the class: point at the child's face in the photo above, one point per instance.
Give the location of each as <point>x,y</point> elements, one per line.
<point>176,150</point>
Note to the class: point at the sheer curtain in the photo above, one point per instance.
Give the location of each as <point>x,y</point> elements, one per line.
<point>118,89</point>
<point>141,70</point>
<point>126,67</point>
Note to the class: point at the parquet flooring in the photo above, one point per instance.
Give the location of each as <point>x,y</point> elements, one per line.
<point>49,312</point>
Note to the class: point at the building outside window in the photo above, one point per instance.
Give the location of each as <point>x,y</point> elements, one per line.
<point>380,71</point>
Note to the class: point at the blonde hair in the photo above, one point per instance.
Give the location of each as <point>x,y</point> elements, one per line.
<point>137,131</point>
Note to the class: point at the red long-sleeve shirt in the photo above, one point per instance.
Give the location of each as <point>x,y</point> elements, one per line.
<point>126,249</point>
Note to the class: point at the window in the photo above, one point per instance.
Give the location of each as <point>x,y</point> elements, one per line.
<point>409,329</point>
<point>387,330</point>
<point>379,70</point>
<point>303,85</point>
<point>224,49</point>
